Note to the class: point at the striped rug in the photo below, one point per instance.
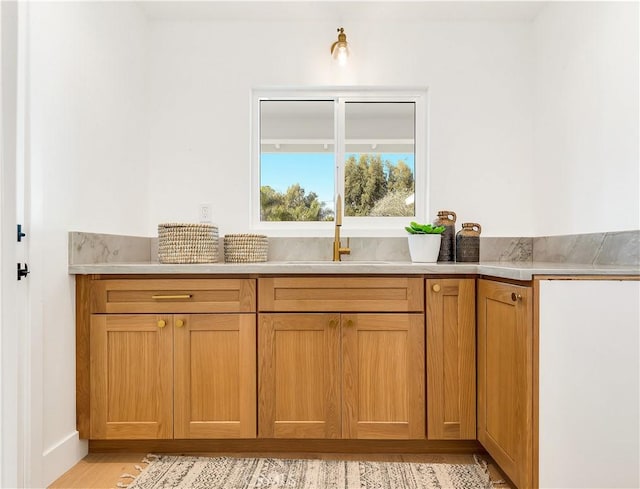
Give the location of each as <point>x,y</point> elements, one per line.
<point>183,472</point>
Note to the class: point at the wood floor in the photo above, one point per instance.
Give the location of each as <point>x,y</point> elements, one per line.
<point>103,470</point>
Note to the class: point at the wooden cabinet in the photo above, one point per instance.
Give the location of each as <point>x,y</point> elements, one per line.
<point>383,388</point>
<point>131,377</point>
<point>172,375</point>
<point>505,378</point>
<point>451,359</point>
<point>214,365</point>
<point>337,358</point>
<point>171,295</point>
<point>345,294</point>
<point>299,376</point>
<point>341,374</point>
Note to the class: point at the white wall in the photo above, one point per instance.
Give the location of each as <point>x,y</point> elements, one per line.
<point>11,293</point>
<point>479,75</point>
<point>589,384</point>
<point>587,163</point>
<point>88,137</point>
<point>135,123</point>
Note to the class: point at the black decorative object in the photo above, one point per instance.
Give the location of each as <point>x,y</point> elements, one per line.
<point>448,244</point>
<point>468,243</point>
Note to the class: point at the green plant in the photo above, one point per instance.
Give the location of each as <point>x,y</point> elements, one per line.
<point>415,228</point>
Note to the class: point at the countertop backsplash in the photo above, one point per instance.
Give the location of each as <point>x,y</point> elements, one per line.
<point>616,248</point>
<point>90,248</point>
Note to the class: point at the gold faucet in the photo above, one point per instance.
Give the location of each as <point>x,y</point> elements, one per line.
<point>338,251</point>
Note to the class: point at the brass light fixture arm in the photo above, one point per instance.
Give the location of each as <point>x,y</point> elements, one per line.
<point>342,37</point>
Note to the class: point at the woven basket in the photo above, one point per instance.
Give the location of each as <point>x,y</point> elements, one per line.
<point>245,248</point>
<point>187,243</point>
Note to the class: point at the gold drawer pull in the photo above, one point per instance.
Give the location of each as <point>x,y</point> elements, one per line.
<point>179,323</point>
<point>161,323</point>
<point>436,288</point>
<point>183,296</point>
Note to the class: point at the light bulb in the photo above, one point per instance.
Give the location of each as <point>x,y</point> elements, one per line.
<point>342,56</point>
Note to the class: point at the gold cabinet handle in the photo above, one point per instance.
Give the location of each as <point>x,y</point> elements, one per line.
<point>436,288</point>
<point>333,322</point>
<point>349,323</point>
<point>182,296</point>
<point>515,297</point>
<point>161,323</point>
<point>179,323</point>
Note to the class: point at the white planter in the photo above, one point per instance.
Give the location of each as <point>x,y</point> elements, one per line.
<point>424,248</point>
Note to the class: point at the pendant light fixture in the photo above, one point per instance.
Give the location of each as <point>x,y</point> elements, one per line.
<point>340,48</point>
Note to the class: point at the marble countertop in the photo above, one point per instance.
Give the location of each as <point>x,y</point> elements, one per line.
<point>514,270</point>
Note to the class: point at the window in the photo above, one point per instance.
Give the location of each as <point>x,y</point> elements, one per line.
<point>311,146</point>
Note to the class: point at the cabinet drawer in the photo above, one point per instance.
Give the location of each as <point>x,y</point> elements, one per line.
<point>345,294</point>
<point>174,295</point>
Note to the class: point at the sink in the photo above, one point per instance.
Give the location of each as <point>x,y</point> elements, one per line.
<point>307,262</point>
<point>329,262</point>
<point>366,262</point>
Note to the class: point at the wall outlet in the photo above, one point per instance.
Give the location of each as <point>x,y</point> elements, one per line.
<point>205,213</point>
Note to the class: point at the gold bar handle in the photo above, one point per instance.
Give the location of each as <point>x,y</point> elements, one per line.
<point>183,296</point>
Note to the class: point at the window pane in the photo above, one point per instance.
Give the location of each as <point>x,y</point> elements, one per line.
<point>297,160</point>
<point>379,159</point>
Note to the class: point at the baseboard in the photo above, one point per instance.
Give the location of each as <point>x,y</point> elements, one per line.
<point>261,445</point>
<point>59,458</point>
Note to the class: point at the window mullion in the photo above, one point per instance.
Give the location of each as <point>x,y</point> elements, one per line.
<point>340,149</point>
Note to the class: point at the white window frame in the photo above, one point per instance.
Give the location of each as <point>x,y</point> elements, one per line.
<point>351,226</point>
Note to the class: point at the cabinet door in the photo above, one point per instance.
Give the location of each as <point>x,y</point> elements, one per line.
<point>131,377</point>
<point>298,370</point>
<point>215,376</point>
<point>383,386</point>
<point>451,359</point>
<point>505,377</point>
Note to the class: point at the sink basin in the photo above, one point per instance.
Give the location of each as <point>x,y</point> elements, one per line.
<point>366,262</point>
<point>328,262</point>
<point>307,262</point>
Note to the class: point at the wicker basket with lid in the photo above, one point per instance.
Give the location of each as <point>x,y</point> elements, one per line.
<point>245,248</point>
<point>187,243</point>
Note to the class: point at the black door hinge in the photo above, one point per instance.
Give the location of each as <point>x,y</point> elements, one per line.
<point>23,272</point>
